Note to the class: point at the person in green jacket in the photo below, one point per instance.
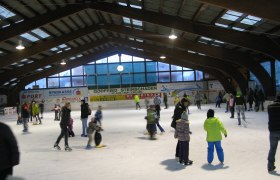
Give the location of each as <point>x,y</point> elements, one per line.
<point>35,112</point>
<point>214,127</point>
<point>137,102</point>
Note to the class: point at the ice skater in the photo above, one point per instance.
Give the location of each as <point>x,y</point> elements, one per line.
<point>240,108</point>
<point>214,127</point>
<point>151,121</point>
<point>99,116</point>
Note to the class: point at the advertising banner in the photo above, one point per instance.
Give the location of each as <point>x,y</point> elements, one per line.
<point>30,95</point>
<point>181,88</point>
<point>127,90</point>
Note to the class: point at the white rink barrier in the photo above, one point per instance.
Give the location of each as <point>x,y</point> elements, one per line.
<point>9,110</point>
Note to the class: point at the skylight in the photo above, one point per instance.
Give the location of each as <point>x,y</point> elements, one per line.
<point>238,29</point>
<point>137,22</point>
<point>126,20</point>
<point>232,15</point>
<point>250,20</point>
<point>24,60</point>
<point>135,6</point>
<point>48,66</point>
<point>193,52</point>
<point>6,13</point>
<point>29,37</point>
<point>122,4</point>
<point>219,42</point>
<point>20,65</point>
<point>139,40</point>
<point>79,55</point>
<point>62,46</point>
<point>54,49</point>
<point>40,33</point>
<point>205,38</point>
<point>72,58</point>
<point>221,25</point>
<point>40,69</point>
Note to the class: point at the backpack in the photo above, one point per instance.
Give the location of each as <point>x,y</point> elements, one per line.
<point>150,116</point>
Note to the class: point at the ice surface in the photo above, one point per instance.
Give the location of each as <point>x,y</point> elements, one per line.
<point>131,155</point>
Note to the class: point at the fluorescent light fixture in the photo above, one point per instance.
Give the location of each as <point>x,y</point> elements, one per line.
<point>172,36</point>
<point>162,57</point>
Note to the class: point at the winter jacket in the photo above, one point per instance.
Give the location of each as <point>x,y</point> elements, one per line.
<point>182,130</point>
<point>65,116</point>
<point>25,111</point>
<point>240,100</point>
<point>157,100</point>
<point>91,127</point>
<point>84,110</point>
<point>179,109</point>
<point>274,116</point>
<point>98,115</point>
<point>136,99</point>
<point>9,153</point>
<point>35,109</point>
<point>197,97</point>
<point>213,126</point>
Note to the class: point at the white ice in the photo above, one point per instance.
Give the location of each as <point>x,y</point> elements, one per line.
<point>131,155</point>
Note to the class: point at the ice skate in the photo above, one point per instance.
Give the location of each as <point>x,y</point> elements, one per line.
<point>67,148</point>
<point>189,162</point>
<point>56,147</point>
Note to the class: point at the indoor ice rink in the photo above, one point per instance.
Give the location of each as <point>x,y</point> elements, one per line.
<point>130,154</point>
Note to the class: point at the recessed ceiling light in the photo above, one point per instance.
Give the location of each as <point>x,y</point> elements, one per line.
<point>162,57</point>
<point>172,36</point>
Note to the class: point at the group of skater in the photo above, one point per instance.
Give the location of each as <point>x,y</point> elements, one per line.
<point>92,130</point>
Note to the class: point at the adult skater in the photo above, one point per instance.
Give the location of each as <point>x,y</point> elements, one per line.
<point>274,131</point>
<point>157,102</point>
<point>165,100</point>
<point>65,117</point>
<point>197,99</point>
<point>25,116</point>
<point>137,102</point>
<point>35,113</point>
<point>214,127</point>
<point>41,107</point>
<point>240,108</point>
<point>9,153</point>
<point>84,117</point>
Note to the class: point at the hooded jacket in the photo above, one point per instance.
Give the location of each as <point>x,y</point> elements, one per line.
<point>214,127</point>
<point>182,130</point>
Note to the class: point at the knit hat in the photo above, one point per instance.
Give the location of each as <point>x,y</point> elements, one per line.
<point>184,116</point>
<point>210,113</point>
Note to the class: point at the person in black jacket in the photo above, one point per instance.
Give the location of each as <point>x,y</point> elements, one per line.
<point>41,107</point>
<point>65,118</point>
<point>84,117</point>
<point>274,131</point>
<point>25,116</point>
<point>9,153</point>
<point>179,109</point>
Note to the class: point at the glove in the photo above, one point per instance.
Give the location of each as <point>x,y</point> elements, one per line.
<point>225,135</point>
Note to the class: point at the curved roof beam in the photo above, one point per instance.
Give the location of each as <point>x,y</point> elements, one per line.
<point>254,42</point>
<point>232,56</point>
<point>44,45</point>
<point>260,8</point>
<point>48,61</point>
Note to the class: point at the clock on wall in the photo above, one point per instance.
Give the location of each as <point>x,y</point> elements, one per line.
<point>120,68</point>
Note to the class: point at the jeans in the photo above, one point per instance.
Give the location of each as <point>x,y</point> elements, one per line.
<point>159,126</point>
<point>219,151</point>
<point>274,137</point>
<point>138,105</point>
<point>25,125</point>
<point>198,104</point>
<point>240,109</point>
<point>158,110</point>
<point>84,126</point>
<point>64,132</point>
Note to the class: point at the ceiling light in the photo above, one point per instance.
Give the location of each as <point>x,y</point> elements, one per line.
<point>20,46</point>
<point>63,62</point>
<point>162,57</point>
<point>172,36</point>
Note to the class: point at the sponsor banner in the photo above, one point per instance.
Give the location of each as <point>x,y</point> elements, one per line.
<point>215,85</point>
<point>29,95</point>
<point>189,86</point>
<point>120,97</point>
<point>126,90</point>
<point>66,93</point>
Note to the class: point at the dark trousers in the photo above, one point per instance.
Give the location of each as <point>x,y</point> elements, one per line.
<point>231,111</point>
<point>183,151</point>
<point>138,105</point>
<point>159,126</point>
<point>37,118</point>
<point>158,110</point>
<point>218,104</point>
<point>274,137</point>
<point>64,132</point>
<point>166,105</point>
<point>261,104</point>
<point>5,172</point>
<point>198,104</point>
<point>227,103</point>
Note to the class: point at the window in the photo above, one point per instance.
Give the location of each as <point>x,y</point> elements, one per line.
<point>277,73</point>
<point>164,77</point>
<point>102,80</point>
<point>250,20</point>
<point>152,77</point>
<point>126,58</point>
<point>127,67</point>
<point>5,13</point>
<point>53,83</point>
<point>151,66</point>
<point>176,76</point>
<point>29,37</point>
<point>77,71</point>
<point>65,73</point>
<point>77,81</point>
<point>199,75</point>
<point>113,68</point>
<point>101,69</point>
<point>137,22</point>
<point>40,33</point>
<point>163,66</point>
<point>231,15</point>
<point>104,60</point>
<point>139,78</point>
<point>113,59</point>
<point>135,59</point>
<point>176,68</point>
<point>90,80</point>
<point>184,68</point>
<point>89,69</point>
<point>114,79</point>
<point>30,86</point>
<point>41,83</point>
<point>127,78</point>
<point>65,82</point>
<point>188,75</point>
<point>139,67</point>
<point>267,67</point>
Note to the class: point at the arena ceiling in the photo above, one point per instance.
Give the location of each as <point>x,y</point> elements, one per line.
<point>224,38</point>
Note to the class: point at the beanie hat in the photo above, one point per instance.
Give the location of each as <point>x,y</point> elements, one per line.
<point>184,116</point>
<point>238,93</point>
